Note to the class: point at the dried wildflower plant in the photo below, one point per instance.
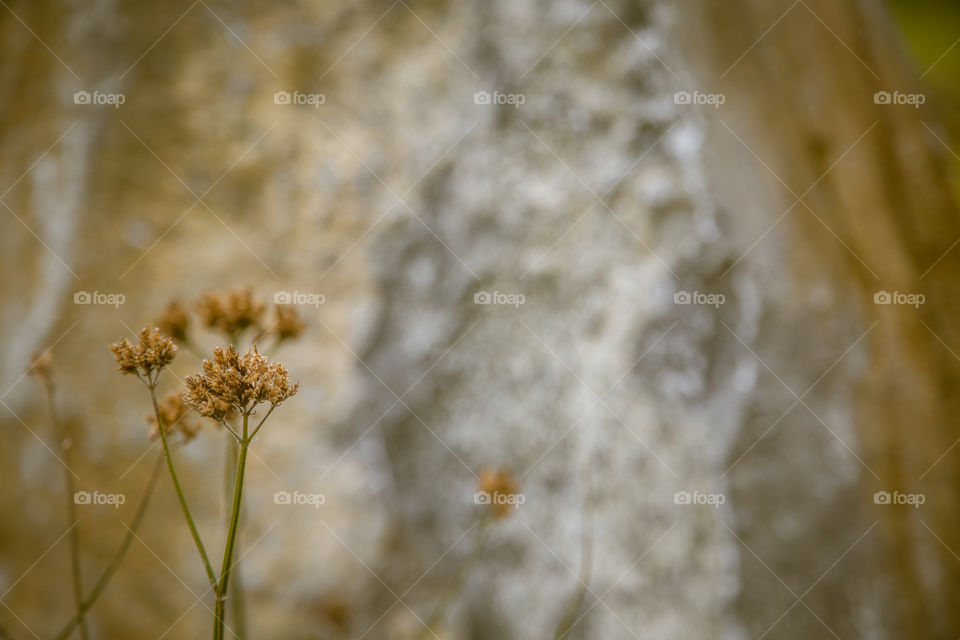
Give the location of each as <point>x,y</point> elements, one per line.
<point>499,485</point>
<point>174,321</point>
<point>230,389</point>
<point>238,381</point>
<point>175,417</point>
<point>230,312</point>
<point>237,315</point>
<point>287,324</point>
<point>41,368</point>
<point>229,385</point>
<point>152,352</point>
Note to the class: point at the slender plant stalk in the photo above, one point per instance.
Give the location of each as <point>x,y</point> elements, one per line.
<point>224,582</point>
<point>70,487</point>
<point>176,485</point>
<point>238,599</point>
<point>456,584</point>
<point>118,555</point>
<point>237,608</point>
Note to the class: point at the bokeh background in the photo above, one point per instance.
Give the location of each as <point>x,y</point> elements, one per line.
<point>784,191</point>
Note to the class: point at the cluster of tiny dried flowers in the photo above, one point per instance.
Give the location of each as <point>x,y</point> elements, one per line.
<point>174,321</point>
<point>230,312</point>
<point>287,324</point>
<point>496,482</point>
<point>174,415</point>
<point>231,380</point>
<point>152,352</point>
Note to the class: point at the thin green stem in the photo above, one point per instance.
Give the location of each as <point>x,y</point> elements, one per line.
<point>236,436</point>
<point>151,385</point>
<point>262,420</point>
<point>117,558</point>
<point>237,599</point>
<point>70,487</point>
<point>224,582</point>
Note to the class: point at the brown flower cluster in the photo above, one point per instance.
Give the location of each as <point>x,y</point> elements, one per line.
<point>499,486</point>
<point>174,414</point>
<point>238,381</point>
<point>230,312</point>
<point>174,321</point>
<point>287,324</point>
<point>152,352</point>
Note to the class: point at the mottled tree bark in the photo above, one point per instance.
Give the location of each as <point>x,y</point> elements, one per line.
<point>598,199</point>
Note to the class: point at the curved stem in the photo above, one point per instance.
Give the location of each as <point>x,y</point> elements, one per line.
<point>224,582</point>
<point>111,568</point>
<point>74,536</point>
<point>176,485</point>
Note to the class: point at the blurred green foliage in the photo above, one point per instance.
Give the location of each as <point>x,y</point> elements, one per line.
<point>932,30</point>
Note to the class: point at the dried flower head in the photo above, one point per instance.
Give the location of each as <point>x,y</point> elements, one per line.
<point>336,610</point>
<point>174,321</point>
<point>230,312</point>
<point>287,325</point>
<point>242,382</point>
<point>500,491</point>
<point>41,367</point>
<point>152,352</point>
<point>174,414</point>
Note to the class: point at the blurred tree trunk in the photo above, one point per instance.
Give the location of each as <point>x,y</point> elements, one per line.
<point>878,214</point>
<point>598,198</point>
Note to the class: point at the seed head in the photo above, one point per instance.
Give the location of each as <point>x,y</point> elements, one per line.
<point>495,482</point>
<point>287,325</point>
<point>174,321</point>
<point>230,312</point>
<point>152,352</point>
<point>230,380</point>
<point>174,414</point>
